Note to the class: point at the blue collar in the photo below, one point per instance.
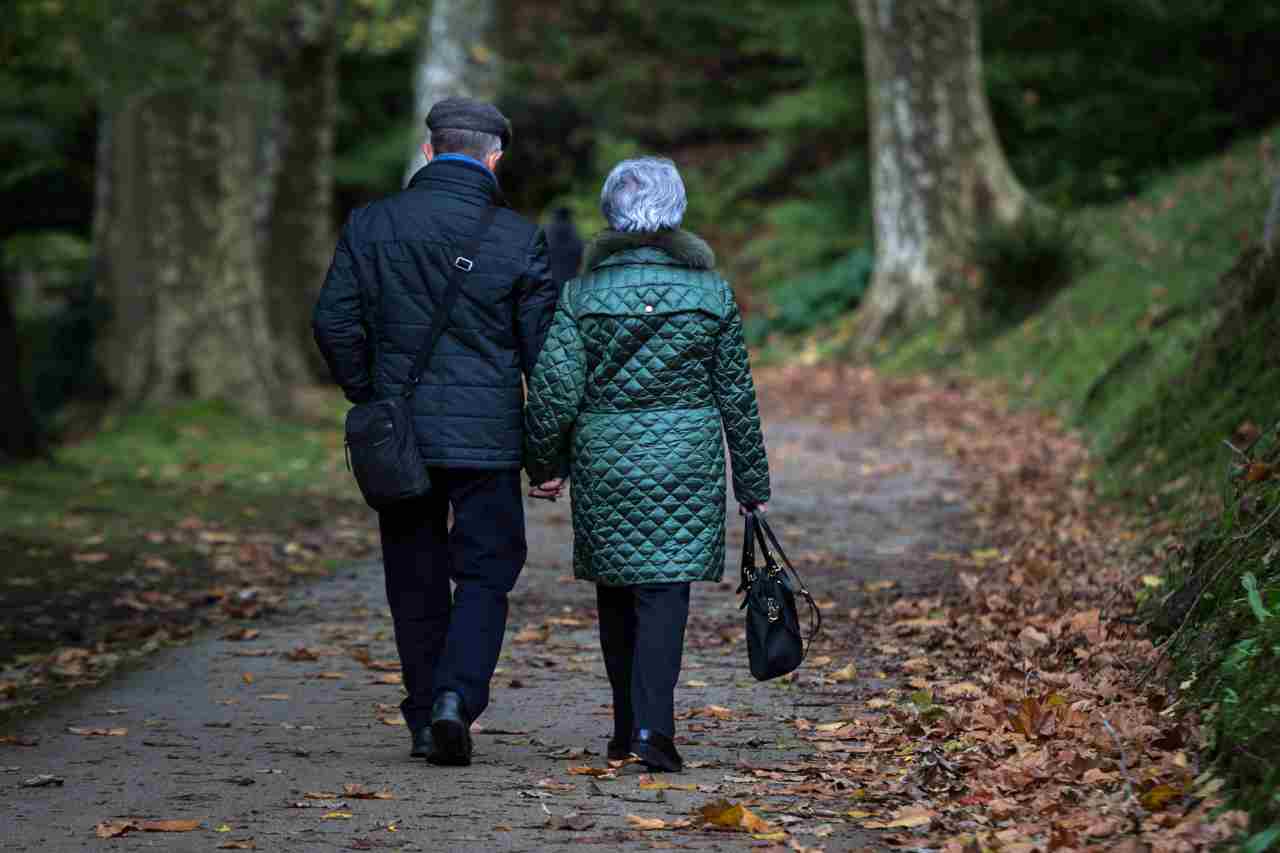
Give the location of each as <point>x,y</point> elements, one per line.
<point>470,161</point>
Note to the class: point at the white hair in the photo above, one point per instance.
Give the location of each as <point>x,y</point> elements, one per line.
<point>644,194</point>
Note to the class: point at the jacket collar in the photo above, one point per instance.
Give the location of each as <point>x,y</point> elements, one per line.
<point>470,178</point>
<point>673,247</point>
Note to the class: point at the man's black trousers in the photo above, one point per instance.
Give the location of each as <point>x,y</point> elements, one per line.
<point>453,642</point>
<point>642,637</point>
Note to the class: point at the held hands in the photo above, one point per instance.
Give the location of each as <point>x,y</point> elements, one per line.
<point>548,491</point>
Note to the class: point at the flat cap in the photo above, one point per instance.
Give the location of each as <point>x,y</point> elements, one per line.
<point>469,114</point>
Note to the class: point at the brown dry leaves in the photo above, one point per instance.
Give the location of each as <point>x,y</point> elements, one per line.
<point>998,736</point>
<point>116,828</point>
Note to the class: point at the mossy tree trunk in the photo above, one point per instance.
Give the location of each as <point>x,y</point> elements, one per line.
<point>938,171</point>
<point>455,59</point>
<point>179,250</point>
<point>299,221</point>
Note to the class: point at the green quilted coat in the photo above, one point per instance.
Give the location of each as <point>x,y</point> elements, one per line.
<point>644,364</point>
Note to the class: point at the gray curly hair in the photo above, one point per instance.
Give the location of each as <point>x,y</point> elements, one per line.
<point>644,194</point>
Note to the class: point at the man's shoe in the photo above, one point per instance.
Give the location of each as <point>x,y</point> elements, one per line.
<point>656,751</point>
<point>423,743</point>
<point>451,731</point>
<point>619,749</point>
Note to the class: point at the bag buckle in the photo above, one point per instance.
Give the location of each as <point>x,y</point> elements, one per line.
<point>775,610</point>
<point>464,264</point>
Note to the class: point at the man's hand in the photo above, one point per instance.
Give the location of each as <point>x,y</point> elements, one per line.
<point>548,491</point>
<point>743,509</point>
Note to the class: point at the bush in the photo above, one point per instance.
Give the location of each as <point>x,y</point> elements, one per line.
<point>801,304</point>
<point>1023,265</point>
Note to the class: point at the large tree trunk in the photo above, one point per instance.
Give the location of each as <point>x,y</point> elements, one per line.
<point>20,436</point>
<point>180,250</point>
<point>454,59</point>
<point>300,213</point>
<point>938,172</point>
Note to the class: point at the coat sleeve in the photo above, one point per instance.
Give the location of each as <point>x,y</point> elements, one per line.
<point>735,395</point>
<point>555,394</point>
<point>340,327</point>
<point>537,303</point>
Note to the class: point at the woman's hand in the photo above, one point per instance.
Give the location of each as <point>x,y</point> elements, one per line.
<point>549,490</point>
<point>743,509</point>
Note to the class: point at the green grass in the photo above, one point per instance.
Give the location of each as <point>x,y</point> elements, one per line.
<point>156,503</point>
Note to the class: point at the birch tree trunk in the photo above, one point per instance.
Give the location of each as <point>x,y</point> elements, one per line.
<point>454,60</point>
<point>299,220</point>
<point>938,171</point>
<point>179,250</point>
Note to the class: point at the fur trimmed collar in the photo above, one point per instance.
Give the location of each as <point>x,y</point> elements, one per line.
<point>686,248</point>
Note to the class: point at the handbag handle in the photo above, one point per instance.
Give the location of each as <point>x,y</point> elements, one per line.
<point>764,533</point>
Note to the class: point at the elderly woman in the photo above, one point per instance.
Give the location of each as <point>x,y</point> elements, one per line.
<point>643,365</point>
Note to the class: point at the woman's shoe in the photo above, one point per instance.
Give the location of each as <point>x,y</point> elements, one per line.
<point>619,749</point>
<point>656,751</point>
<point>423,743</point>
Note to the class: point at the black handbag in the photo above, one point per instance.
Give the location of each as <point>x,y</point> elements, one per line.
<point>382,449</point>
<point>775,645</point>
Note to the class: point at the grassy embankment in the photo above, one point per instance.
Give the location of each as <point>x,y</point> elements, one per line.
<point>161,520</point>
<point>1165,349</point>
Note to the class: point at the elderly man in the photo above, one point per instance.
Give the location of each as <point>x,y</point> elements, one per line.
<point>391,269</point>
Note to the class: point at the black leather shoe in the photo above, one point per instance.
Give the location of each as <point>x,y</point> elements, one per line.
<point>423,743</point>
<point>656,751</point>
<point>619,749</point>
<point>451,731</point>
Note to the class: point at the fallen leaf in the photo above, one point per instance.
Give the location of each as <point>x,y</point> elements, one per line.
<point>44,780</point>
<point>113,828</point>
<point>246,844</point>
<point>649,784</point>
<point>725,814</point>
<point>91,557</point>
<point>571,822</point>
<point>848,673</point>
<point>597,772</point>
<point>358,792</point>
<point>336,816</point>
<point>88,732</point>
<point>169,825</point>
<point>275,697</point>
<point>646,823</point>
<point>693,682</point>
<point>241,634</point>
<point>906,817</point>
<point>247,678</point>
<point>1159,796</point>
<point>13,740</point>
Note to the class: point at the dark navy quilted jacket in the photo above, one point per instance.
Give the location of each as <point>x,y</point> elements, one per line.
<point>387,279</point>
<point>644,365</point>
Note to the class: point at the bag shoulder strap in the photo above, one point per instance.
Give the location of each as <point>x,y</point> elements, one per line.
<point>462,264</point>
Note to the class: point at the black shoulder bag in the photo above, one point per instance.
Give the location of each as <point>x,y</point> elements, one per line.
<point>774,643</point>
<point>382,450</point>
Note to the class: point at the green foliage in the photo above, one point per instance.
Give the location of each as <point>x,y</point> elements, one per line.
<point>799,305</point>
<point>1225,646</point>
<point>1023,265</point>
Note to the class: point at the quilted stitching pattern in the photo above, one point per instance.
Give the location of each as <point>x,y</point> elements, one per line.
<point>644,364</point>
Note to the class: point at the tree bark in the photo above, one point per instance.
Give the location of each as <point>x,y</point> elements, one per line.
<point>1271,226</point>
<point>454,60</point>
<point>938,171</point>
<point>300,213</point>
<point>20,435</point>
<point>180,251</point>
